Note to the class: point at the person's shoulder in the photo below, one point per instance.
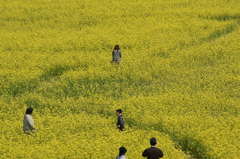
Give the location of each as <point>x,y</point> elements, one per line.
<point>147,149</point>
<point>155,148</point>
<point>28,116</point>
<point>123,157</point>
<point>158,149</point>
<point>118,157</point>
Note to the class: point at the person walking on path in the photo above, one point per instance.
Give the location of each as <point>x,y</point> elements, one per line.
<point>122,151</point>
<point>28,123</point>
<point>116,54</point>
<point>153,152</point>
<point>120,121</point>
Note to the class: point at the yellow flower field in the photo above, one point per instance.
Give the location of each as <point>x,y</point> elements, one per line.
<point>178,80</point>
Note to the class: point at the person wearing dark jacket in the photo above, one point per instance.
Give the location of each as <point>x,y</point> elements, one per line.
<point>120,121</point>
<point>153,152</point>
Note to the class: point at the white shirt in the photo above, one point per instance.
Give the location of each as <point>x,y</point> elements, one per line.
<point>28,123</point>
<point>116,55</point>
<point>121,157</point>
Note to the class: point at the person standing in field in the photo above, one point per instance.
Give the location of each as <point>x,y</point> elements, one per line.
<point>28,123</point>
<point>122,151</point>
<point>116,54</point>
<point>153,152</point>
<point>120,121</point>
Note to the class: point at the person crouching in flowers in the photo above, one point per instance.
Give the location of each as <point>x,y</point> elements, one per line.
<point>28,123</point>
<point>122,152</point>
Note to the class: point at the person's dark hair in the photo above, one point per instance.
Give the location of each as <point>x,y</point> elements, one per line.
<point>153,141</point>
<point>116,47</point>
<point>29,110</point>
<point>119,110</point>
<point>122,151</point>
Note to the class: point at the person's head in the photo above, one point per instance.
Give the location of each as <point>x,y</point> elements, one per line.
<point>116,47</point>
<point>153,141</point>
<point>118,111</point>
<point>29,110</point>
<point>122,151</point>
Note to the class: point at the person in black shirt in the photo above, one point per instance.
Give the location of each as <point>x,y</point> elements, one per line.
<point>153,152</point>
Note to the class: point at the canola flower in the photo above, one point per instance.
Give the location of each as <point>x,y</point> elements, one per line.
<point>178,80</point>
